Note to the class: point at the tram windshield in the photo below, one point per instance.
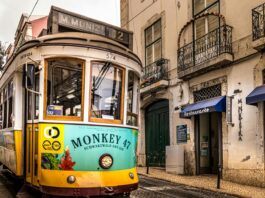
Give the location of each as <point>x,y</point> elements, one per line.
<point>106,92</point>
<point>64,87</point>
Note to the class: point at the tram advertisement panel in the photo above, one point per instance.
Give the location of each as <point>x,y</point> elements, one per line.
<point>79,147</point>
<point>7,150</point>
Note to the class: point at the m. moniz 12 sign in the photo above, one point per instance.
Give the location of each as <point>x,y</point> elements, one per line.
<point>64,21</point>
<point>79,147</point>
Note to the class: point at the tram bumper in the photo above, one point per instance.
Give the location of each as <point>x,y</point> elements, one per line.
<point>100,191</point>
<point>88,183</point>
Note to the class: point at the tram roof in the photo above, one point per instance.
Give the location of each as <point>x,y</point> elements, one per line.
<point>65,28</point>
<point>75,39</point>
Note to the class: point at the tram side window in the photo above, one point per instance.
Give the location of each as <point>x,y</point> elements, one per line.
<point>5,109</point>
<point>36,87</point>
<point>10,103</point>
<point>132,99</point>
<point>6,106</point>
<point>35,96</point>
<point>64,87</point>
<point>106,92</point>
<point>1,110</point>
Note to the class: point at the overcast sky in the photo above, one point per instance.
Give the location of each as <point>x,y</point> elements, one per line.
<point>11,10</point>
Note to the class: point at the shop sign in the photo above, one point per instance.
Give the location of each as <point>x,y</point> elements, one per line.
<point>196,112</point>
<point>182,134</point>
<point>229,109</point>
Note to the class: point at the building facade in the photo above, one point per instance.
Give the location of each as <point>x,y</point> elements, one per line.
<point>202,87</point>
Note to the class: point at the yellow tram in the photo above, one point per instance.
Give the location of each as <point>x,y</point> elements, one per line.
<point>69,108</point>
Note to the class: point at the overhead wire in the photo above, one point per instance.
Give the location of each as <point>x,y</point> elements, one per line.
<point>33,9</point>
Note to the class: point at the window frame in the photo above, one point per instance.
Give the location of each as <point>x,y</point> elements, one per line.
<point>6,121</point>
<point>217,2</point>
<point>206,8</point>
<point>57,117</point>
<point>102,120</point>
<point>152,44</point>
<point>135,98</point>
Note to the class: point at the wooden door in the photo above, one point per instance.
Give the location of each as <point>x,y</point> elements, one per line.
<point>157,133</point>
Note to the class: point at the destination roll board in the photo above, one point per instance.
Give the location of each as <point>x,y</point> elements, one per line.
<point>62,21</point>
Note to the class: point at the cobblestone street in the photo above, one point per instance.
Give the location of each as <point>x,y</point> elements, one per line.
<point>149,187</point>
<point>155,188</point>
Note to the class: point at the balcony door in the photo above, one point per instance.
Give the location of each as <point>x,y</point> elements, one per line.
<point>206,35</point>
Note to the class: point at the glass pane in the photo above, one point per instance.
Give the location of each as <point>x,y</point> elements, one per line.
<point>157,50</point>
<point>148,36</point>
<point>5,114</point>
<point>130,92</point>
<point>200,28</point>
<point>106,91</point>
<point>10,112</point>
<point>209,2</point>
<point>157,30</point>
<point>132,99</point>
<point>10,89</point>
<point>37,79</point>
<point>149,55</point>
<point>199,5</point>
<point>213,21</point>
<point>1,116</point>
<point>204,140</point>
<point>64,93</point>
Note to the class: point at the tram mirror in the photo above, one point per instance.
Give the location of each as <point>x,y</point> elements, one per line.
<point>30,75</point>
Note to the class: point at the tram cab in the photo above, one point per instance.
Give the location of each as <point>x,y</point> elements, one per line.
<point>69,104</point>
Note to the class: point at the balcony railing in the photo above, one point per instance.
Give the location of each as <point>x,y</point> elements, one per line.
<point>209,46</point>
<point>258,19</point>
<point>155,72</point>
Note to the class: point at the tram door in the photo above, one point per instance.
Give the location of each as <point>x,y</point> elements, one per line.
<point>31,117</point>
<point>157,133</point>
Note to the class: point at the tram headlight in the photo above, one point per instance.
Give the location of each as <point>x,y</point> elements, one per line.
<point>71,179</point>
<point>106,161</point>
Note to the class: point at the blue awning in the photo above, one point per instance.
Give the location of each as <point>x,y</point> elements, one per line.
<point>217,104</point>
<point>257,95</point>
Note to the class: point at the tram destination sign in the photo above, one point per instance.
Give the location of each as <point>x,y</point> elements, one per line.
<point>61,21</point>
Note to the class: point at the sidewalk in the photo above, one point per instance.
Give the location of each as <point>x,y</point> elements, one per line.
<point>205,182</point>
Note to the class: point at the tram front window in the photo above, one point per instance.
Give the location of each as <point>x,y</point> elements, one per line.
<point>106,91</point>
<point>64,88</point>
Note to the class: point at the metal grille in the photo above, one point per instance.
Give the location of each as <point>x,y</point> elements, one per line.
<point>155,72</point>
<point>211,45</point>
<point>258,18</point>
<point>207,93</point>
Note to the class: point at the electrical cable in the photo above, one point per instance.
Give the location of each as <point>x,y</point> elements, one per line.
<point>33,9</point>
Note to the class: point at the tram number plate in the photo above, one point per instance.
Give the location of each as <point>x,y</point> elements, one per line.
<point>110,56</point>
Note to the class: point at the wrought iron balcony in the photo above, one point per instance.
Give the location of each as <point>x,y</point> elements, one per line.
<point>155,72</point>
<point>196,56</point>
<point>258,27</point>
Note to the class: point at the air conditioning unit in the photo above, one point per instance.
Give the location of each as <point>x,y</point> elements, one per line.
<point>175,159</point>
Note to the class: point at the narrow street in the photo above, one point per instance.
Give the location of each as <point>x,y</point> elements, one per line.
<point>149,187</point>
<point>155,188</point>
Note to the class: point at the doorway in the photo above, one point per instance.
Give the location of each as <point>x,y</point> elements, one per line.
<point>207,127</point>
<point>157,133</point>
